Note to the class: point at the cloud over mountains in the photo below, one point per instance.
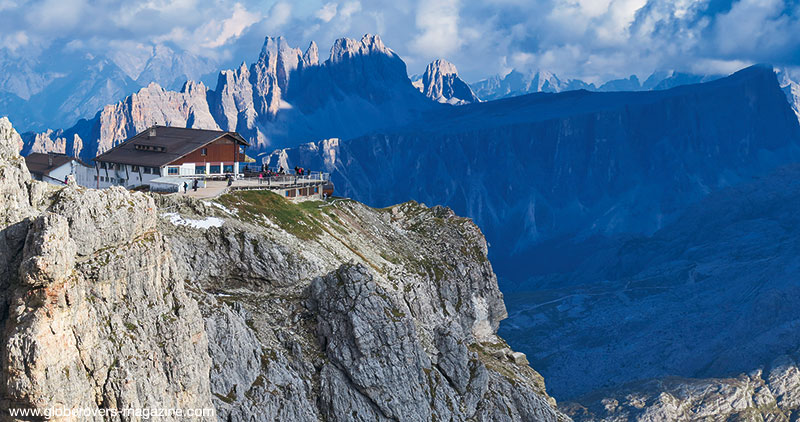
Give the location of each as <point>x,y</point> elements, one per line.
<point>589,39</point>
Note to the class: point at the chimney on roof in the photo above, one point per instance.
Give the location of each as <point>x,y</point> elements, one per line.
<point>49,160</point>
<point>152,132</point>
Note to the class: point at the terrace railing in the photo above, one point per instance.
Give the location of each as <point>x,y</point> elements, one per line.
<point>284,180</point>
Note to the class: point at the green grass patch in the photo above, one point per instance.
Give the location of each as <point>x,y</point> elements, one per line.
<point>300,219</point>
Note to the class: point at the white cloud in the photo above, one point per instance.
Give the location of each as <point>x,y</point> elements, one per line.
<point>327,12</point>
<point>350,8</point>
<point>14,41</point>
<point>591,39</point>
<point>231,27</point>
<point>753,25</point>
<point>279,15</point>
<point>438,22</point>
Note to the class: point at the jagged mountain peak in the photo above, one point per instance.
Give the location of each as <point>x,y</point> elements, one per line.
<point>442,67</point>
<point>277,52</point>
<point>193,86</point>
<point>311,56</point>
<point>152,86</point>
<point>441,83</point>
<point>273,45</point>
<point>348,47</point>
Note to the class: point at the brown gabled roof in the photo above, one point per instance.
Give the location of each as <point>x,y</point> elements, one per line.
<point>39,163</point>
<point>176,141</point>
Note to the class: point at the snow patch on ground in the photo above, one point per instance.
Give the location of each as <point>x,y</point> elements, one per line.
<point>223,208</point>
<point>204,224</point>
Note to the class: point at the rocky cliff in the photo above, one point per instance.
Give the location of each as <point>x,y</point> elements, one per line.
<point>261,309</point>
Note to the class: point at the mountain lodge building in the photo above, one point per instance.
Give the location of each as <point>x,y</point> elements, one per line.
<point>170,159</point>
<point>162,151</point>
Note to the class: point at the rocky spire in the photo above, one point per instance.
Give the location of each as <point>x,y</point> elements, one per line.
<point>311,56</point>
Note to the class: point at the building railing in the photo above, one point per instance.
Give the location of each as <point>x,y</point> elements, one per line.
<point>287,179</point>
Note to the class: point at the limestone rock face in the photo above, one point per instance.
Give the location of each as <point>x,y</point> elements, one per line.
<point>17,192</point>
<point>49,253</point>
<point>95,313</point>
<point>282,312</point>
<point>150,106</point>
<point>356,320</point>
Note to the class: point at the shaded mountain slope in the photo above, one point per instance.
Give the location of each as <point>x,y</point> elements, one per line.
<point>547,166</point>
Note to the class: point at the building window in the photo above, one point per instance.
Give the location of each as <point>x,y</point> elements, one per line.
<point>155,148</point>
<point>214,170</point>
<point>102,165</point>
<point>172,170</point>
<point>204,152</point>
<point>146,170</point>
<point>228,168</point>
<point>316,190</point>
<point>135,169</point>
<point>200,169</point>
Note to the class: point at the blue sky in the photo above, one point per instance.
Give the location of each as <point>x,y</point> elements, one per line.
<point>590,39</point>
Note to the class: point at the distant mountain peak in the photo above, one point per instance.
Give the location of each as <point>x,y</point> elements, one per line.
<point>442,67</point>
<point>441,83</point>
<point>347,47</point>
<point>311,56</point>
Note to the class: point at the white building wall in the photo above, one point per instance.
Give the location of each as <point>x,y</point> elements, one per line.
<point>124,176</point>
<point>84,176</point>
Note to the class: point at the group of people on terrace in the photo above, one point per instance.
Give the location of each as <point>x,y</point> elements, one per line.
<point>298,171</point>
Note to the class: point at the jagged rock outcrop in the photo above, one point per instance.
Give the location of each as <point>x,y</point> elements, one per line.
<point>272,71</point>
<point>44,142</point>
<point>252,306</point>
<point>150,106</point>
<point>233,104</point>
<point>441,83</point>
<point>770,395</point>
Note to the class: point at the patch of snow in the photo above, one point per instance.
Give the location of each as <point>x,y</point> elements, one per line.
<point>203,224</point>
<point>221,207</point>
